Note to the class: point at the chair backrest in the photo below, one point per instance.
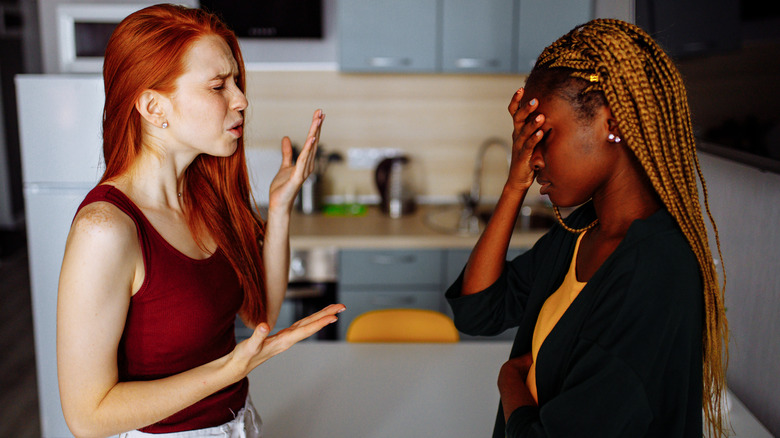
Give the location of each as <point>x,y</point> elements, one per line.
<point>402,325</point>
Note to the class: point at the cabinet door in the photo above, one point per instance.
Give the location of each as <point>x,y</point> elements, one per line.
<point>477,36</point>
<point>390,36</point>
<point>392,267</point>
<point>359,301</point>
<point>541,22</point>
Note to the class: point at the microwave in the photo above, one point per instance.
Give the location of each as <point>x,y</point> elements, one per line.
<point>83,30</point>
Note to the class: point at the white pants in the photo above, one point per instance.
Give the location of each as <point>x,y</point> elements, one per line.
<point>247,424</point>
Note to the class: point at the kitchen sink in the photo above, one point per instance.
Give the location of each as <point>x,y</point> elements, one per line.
<point>455,219</point>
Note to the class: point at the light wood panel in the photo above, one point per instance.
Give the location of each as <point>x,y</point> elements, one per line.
<point>439,120</point>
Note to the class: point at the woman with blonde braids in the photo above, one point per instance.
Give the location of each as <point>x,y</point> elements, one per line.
<point>621,326</point>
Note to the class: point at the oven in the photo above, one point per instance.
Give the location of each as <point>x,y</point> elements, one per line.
<point>313,282</point>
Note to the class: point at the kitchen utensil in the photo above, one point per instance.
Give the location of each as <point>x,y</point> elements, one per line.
<point>394,182</point>
<point>310,197</point>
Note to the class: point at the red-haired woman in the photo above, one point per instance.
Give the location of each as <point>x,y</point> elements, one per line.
<point>166,250</point>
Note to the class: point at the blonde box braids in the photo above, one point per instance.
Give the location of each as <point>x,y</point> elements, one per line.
<point>645,92</point>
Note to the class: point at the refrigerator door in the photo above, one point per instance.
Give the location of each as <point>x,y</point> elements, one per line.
<point>60,122</point>
<point>49,213</point>
<point>60,133</point>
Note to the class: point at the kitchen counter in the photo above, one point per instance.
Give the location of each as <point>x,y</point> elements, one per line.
<point>340,389</point>
<point>377,230</point>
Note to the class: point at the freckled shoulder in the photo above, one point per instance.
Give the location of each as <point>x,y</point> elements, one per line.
<point>103,222</point>
<point>102,255</point>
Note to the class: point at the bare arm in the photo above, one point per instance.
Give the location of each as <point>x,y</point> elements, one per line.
<point>284,188</point>
<point>487,258</point>
<point>101,269</point>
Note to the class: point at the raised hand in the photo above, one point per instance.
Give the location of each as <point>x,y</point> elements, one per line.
<point>525,136</point>
<point>291,176</point>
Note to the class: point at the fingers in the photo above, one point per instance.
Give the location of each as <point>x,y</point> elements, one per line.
<point>529,135</point>
<point>330,310</point>
<point>287,153</point>
<point>302,329</point>
<point>520,119</point>
<point>316,124</point>
<point>307,158</point>
<point>258,336</point>
<point>526,132</point>
<point>298,332</point>
<point>514,103</point>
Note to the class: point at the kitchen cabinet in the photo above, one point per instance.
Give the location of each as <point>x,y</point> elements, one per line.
<point>382,279</point>
<point>541,22</point>
<point>453,36</point>
<point>382,36</point>
<point>477,36</point>
<point>371,279</point>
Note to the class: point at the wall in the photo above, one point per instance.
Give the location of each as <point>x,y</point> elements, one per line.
<point>438,120</point>
<point>745,203</point>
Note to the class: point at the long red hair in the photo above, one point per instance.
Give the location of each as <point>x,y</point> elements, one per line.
<point>146,51</point>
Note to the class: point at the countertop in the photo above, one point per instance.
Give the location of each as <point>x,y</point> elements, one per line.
<point>339,389</point>
<point>377,230</point>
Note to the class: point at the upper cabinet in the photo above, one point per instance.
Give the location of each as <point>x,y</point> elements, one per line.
<point>541,22</point>
<point>453,36</point>
<point>477,36</point>
<point>388,36</point>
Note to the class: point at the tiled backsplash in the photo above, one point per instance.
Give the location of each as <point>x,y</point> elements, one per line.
<point>438,120</point>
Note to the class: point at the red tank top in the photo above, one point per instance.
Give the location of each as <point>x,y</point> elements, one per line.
<point>183,316</point>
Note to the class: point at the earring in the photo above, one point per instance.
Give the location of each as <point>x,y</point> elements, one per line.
<point>613,138</point>
<point>165,125</point>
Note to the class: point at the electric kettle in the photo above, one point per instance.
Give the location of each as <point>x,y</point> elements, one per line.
<point>394,182</point>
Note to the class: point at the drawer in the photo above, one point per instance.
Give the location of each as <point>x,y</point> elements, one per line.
<point>390,267</point>
<point>455,260</point>
<point>360,301</point>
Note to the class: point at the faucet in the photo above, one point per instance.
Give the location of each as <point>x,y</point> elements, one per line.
<point>469,222</point>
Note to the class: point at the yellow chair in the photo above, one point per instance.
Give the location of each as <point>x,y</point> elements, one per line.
<point>402,325</point>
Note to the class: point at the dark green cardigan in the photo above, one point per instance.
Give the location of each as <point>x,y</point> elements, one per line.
<point>625,359</point>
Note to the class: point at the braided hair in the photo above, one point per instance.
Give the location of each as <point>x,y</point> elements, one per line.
<point>614,63</point>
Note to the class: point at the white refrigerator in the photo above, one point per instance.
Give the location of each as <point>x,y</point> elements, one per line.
<point>60,134</point>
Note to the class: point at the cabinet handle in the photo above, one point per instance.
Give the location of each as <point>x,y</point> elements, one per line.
<point>386,61</point>
<point>467,63</point>
<point>387,259</point>
<point>393,301</point>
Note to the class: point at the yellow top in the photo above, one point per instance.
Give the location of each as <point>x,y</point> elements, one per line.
<point>552,310</point>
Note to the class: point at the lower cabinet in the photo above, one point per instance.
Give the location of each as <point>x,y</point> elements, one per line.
<point>383,279</point>
<point>400,278</point>
<point>359,301</point>
<point>372,279</point>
